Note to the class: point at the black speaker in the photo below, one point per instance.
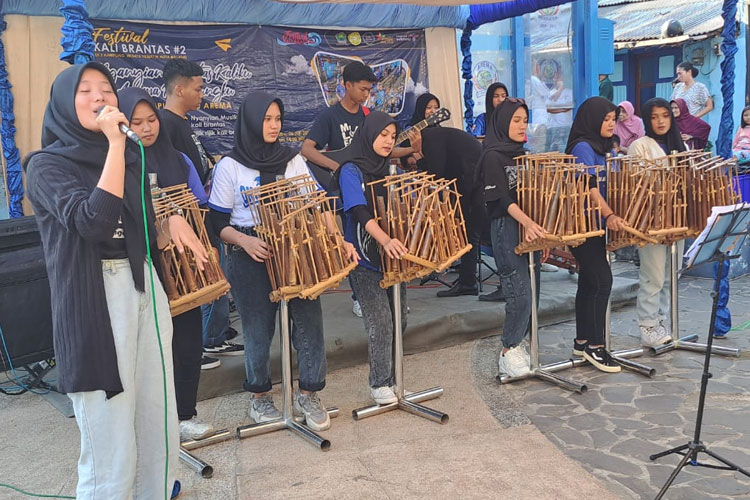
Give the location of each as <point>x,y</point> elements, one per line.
<point>25,309</point>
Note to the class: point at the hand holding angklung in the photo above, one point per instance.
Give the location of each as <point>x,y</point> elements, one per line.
<point>351,252</point>
<point>255,248</point>
<point>394,248</point>
<point>534,231</point>
<point>614,223</point>
<point>182,236</point>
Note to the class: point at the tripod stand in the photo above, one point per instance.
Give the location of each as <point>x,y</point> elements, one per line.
<point>715,247</point>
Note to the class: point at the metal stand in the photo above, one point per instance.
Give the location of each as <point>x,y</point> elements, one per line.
<point>690,451</point>
<point>545,373</point>
<point>196,463</point>
<point>685,343</point>
<point>408,403</point>
<point>287,418</point>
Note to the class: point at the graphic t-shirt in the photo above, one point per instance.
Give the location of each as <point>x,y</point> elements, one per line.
<point>185,140</point>
<point>334,128</point>
<point>231,178</point>
<point>114,248</point>
<point>352,184</point>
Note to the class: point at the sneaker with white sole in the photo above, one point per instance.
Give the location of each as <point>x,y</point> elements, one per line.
<point>226,348</point>
<point>601,359</point>
<point>194,429</point>
<point>262,409</point>
<point>653,336</point>
<point>546,267</point>
<point>515,362</point>
<point>356,309</point>
<point>383,395</point>
<point>579,348</point>
<point>310,409</point>
<point>207,363</point>
<point>664,328</point>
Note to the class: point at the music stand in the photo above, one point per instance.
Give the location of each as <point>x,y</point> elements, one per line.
<point>719,242</point>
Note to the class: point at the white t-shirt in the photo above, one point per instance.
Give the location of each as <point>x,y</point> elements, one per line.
<point>231,178</point>
<point>695,97</point>
<point>563,101</point>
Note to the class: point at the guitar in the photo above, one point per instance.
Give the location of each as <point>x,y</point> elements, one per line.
<point>324,176</point>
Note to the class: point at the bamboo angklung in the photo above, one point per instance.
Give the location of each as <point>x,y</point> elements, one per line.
<point>187,286</point>
<point>424,213</point>
<point>306,259</point>
<point>552,190</point>
<point>668,199</point>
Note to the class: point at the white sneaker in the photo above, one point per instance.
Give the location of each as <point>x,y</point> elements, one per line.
<point>663,328</point>
<point>194,429</point>
<point>383,395</point>
<point>654,336</point>
<point>356,309</point>
<point>515,363</point>
<point>546,267</point>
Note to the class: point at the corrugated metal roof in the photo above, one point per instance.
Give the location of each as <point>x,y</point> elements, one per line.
<point>637,21</point>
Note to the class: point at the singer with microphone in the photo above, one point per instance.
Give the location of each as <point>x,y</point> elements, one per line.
<point>84,185</point>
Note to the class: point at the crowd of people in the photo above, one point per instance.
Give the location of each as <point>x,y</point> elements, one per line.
<point>98,235</point>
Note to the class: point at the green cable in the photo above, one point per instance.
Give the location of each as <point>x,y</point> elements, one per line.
<point>38,495</point>
<point>156,320</point>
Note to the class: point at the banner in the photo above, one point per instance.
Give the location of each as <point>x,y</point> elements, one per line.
<point>301,67</point>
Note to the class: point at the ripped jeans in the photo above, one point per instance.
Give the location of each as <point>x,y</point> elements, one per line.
<point>514,279</point>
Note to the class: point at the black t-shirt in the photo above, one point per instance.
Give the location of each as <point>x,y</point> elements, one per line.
<point>114,248</point>
<point>334,127</point>
<point>451,153</point>
<point>499,183</point>
<point>185,140</point>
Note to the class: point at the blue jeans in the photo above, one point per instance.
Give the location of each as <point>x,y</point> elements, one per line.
<point>377,314</point>
<point>515,282</point>
<point>251,288</point>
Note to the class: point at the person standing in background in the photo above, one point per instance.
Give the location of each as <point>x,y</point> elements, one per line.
<point>695,94</point>
<point>559,115</point>
<point>606,90</point>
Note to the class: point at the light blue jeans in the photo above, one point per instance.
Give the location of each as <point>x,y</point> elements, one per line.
<point>652,303</point>
<point>122,438</point>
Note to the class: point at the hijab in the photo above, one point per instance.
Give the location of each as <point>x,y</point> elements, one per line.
<point>64,137</point>
<point>671,140</point>
<point>488,107</point>
<point>587,125</point>
<point>360,151</point>
<point>692,125</point>
<point>249,147</point>
<point>630,129</point>
<point>421,106</point>
<point>161,157</point>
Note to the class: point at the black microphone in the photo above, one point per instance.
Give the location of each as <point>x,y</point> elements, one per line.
<point>125,129</point>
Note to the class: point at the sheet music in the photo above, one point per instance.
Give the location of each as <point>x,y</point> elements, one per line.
<point>692,252</point>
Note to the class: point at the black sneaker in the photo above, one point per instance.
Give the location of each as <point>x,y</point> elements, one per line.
<point>578,348</point>
<point>208,363</point>
<point>496,296</point>
<point>601,359</point>
<point>458,289</point>
<point>231,333</point>
<point>225,349</point>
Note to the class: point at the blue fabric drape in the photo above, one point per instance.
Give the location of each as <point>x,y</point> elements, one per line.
<point>723,317</point>
<point>729,49</point>
<point>8,135</point>
<point>487,13</point>
<point>77,42</point>
<point>466,75</point>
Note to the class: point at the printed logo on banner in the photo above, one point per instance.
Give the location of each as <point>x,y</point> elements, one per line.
<point>224,44</point>
<point>289,37</point>
<point>549,11</point>
<point>354,38</point>
<point>484,74</point>
<point>340,38</point>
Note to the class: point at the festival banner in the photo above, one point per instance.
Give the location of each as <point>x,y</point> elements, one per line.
<point>300,66</point>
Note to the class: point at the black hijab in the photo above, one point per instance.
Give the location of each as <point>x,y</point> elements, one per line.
<point>488,107</point>
<point>587,125</point>
<point>63,136</point>
<point>161,157</point>
<point>672,140</point>
<point>360,151</point>
<point>498,140</point>
<point>421,106</point>
<point>249,147</point>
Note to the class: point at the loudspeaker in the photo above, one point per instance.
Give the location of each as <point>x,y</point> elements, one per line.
<point>25,309</point>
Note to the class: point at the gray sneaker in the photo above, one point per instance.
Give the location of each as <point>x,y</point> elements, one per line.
<point>310,408</point>
<point>262,409</point>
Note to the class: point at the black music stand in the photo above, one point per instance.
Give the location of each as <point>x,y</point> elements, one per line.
<point>719,242</point>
